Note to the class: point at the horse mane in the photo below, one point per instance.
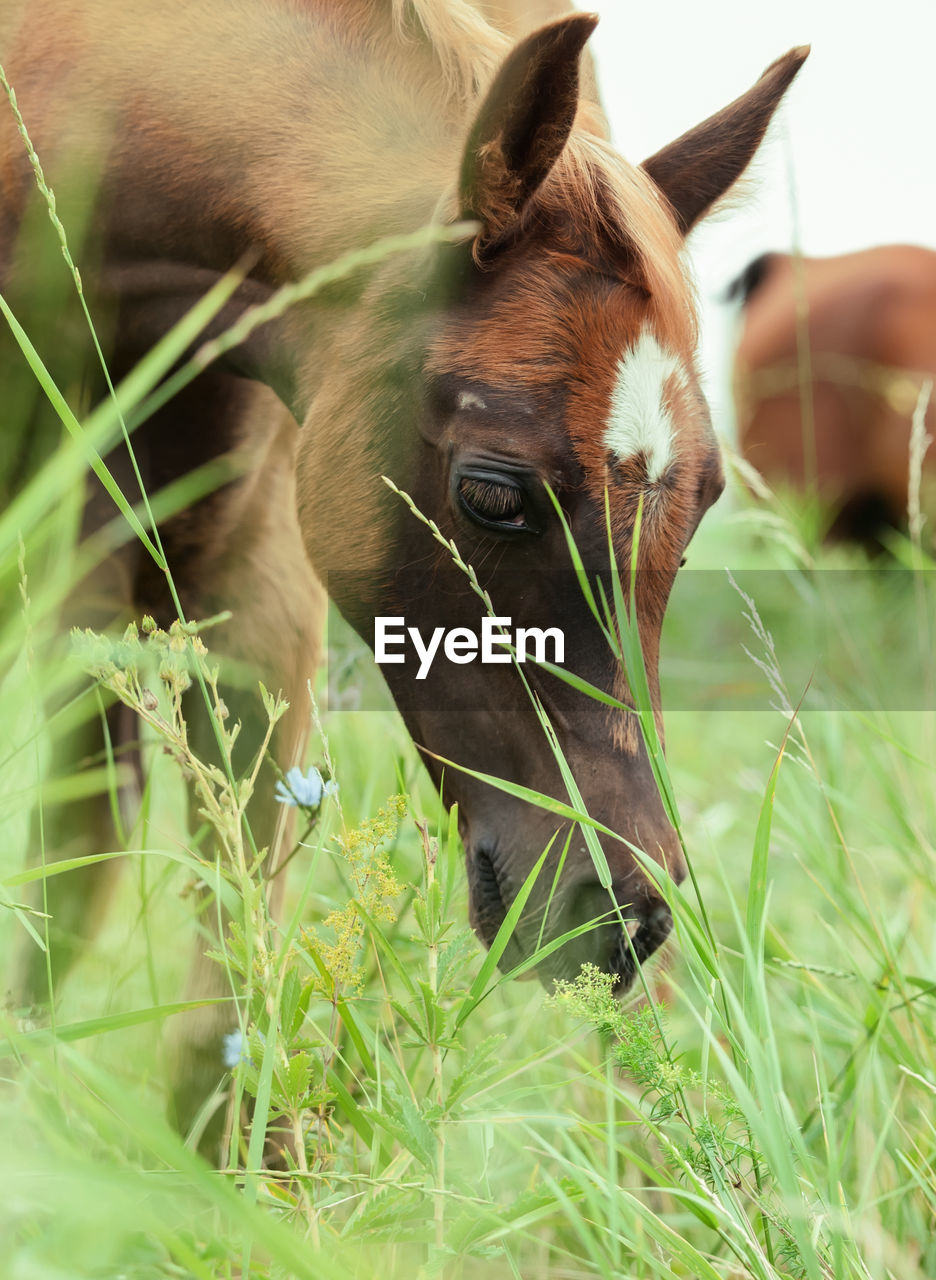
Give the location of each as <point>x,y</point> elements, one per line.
<point>467,47</point>
<point>615,206</point>
<point>611,204</point>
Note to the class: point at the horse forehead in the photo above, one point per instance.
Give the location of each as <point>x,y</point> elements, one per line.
<point>551,322</point>
<point>620,364</point>
<point>639,398</point>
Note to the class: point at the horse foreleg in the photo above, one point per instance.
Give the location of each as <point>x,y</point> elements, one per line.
<point>277,607</point>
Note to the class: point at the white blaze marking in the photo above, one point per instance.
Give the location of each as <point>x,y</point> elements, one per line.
<point>639,421</point>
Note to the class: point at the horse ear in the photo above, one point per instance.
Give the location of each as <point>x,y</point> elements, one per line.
<point>698,168</point>
<point>523,125</point>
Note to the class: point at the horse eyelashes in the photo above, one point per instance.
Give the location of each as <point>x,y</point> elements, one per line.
<point>502,503</point>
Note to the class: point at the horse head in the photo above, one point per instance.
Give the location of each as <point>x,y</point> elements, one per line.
<point>551,357</point>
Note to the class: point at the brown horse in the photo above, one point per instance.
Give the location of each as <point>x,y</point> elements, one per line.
<point>555,344</point>
<point>832,364</point>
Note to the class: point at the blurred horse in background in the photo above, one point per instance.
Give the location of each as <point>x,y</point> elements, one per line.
<point>833,364</point>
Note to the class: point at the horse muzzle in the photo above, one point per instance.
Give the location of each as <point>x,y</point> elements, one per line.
<point>620,928</point>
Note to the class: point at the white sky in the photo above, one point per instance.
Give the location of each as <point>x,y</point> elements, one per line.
<point>857,134</point>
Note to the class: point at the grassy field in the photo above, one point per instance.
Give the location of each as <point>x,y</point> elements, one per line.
<point>772,1116</point>
<point>764,1107</point>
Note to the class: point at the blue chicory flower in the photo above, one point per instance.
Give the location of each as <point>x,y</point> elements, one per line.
<point>234,1049</point>
<point>300,788</point>
<point>305,789</point>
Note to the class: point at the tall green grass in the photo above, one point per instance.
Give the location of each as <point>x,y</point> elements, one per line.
<point>772,1116</point>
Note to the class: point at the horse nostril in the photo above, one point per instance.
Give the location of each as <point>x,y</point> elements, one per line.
<point>485,875</point>
<point>488,907</point>
<point>654,930</point>
<point>645,934</point>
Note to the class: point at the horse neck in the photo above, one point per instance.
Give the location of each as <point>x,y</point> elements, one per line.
<point>248,124</point>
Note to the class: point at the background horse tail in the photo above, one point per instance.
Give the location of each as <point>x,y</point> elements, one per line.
<point>750,279</point>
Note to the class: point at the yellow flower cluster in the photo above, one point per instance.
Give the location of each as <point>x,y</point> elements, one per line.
<point>375,888</point>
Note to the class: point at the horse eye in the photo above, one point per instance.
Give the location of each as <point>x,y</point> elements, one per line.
<point>492,501</point>
<point>683,561</point>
